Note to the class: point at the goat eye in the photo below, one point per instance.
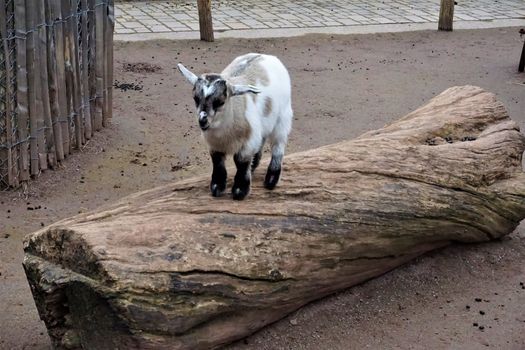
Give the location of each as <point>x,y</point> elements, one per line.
<point>217,104</point>
<point>197,100</point>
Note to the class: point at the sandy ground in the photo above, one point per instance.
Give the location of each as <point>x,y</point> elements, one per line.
<point>343,86</point>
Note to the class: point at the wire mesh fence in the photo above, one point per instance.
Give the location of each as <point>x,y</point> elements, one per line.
<point>56,73</point>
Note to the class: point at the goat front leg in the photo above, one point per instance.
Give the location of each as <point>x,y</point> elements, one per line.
<point>243,177</point>
<point>219,174</point>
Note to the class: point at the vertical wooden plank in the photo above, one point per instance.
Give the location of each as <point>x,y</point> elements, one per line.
<point>32,92</point>
<point>5,136</point>
<point>63,119</point>
<point>12,93</point>
<point>205,20</point>
<point>37,72</point>
<point>44,86</point>
<point>104,25</point>
<point>95,117</point>
<point>53,80</point>
<point>75,54</point>
<point>446,15</point>
<point>21,79</point>
<point>88,130</point>
<point>521,65</point>
<point>99,63</point>
<point>70,31</point>
<point>110,26</point>
<point>66,12</point>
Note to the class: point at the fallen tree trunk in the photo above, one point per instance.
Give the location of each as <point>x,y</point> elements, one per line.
<point>174,268</point>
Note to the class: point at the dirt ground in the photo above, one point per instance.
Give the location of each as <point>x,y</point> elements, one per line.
<point>462,297</point>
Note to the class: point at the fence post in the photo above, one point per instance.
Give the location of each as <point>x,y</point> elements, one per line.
<point>446,15</point>
<point>63,104</point>
<point>21,83</point>
<point>205,20</point>
<point>85,39</point>
<point>44,85</point>
<point>52,76</point>
<point>33,71</point>
<point>110,26</point>
<point>521,66</point>
<point>6,176</point>
<point>98,63</point>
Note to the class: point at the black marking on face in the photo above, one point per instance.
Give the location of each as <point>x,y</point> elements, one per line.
<point>242,180</point>
<point>212,77</point>
<point>219,175</point>
<point>210,93</point>
<point>197,100</point>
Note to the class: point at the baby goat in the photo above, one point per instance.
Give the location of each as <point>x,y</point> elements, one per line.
<point>238,110</point>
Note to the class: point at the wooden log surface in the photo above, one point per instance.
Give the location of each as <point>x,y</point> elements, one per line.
<point>174,268</point>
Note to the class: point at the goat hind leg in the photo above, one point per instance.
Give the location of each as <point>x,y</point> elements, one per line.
<point>274,169</point>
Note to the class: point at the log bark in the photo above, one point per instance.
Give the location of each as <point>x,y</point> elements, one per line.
<point>174,268</point>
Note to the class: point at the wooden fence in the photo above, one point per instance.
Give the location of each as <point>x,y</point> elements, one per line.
<point>56,74</point>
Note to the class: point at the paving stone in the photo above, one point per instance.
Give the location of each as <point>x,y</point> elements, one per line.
<point>182,15</point>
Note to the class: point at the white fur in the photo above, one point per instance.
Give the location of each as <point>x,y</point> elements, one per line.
<point>276,126</point>
<point>255,82</point>
<point>208,90</point>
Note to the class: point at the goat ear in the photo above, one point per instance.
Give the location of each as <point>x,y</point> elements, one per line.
<point>243,89</point>
<point>192,78</point>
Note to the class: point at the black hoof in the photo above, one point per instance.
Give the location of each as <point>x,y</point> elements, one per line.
<point>272,178</point>
<point>239,194</point>
<point>217,189</point>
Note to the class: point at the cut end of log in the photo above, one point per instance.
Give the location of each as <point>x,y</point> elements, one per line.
<point>173,268</point>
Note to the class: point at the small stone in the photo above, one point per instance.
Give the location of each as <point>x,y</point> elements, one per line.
<point>293,322</point>
<point>477,300</point>
<point>475,324</point>
<point>481,312</point>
